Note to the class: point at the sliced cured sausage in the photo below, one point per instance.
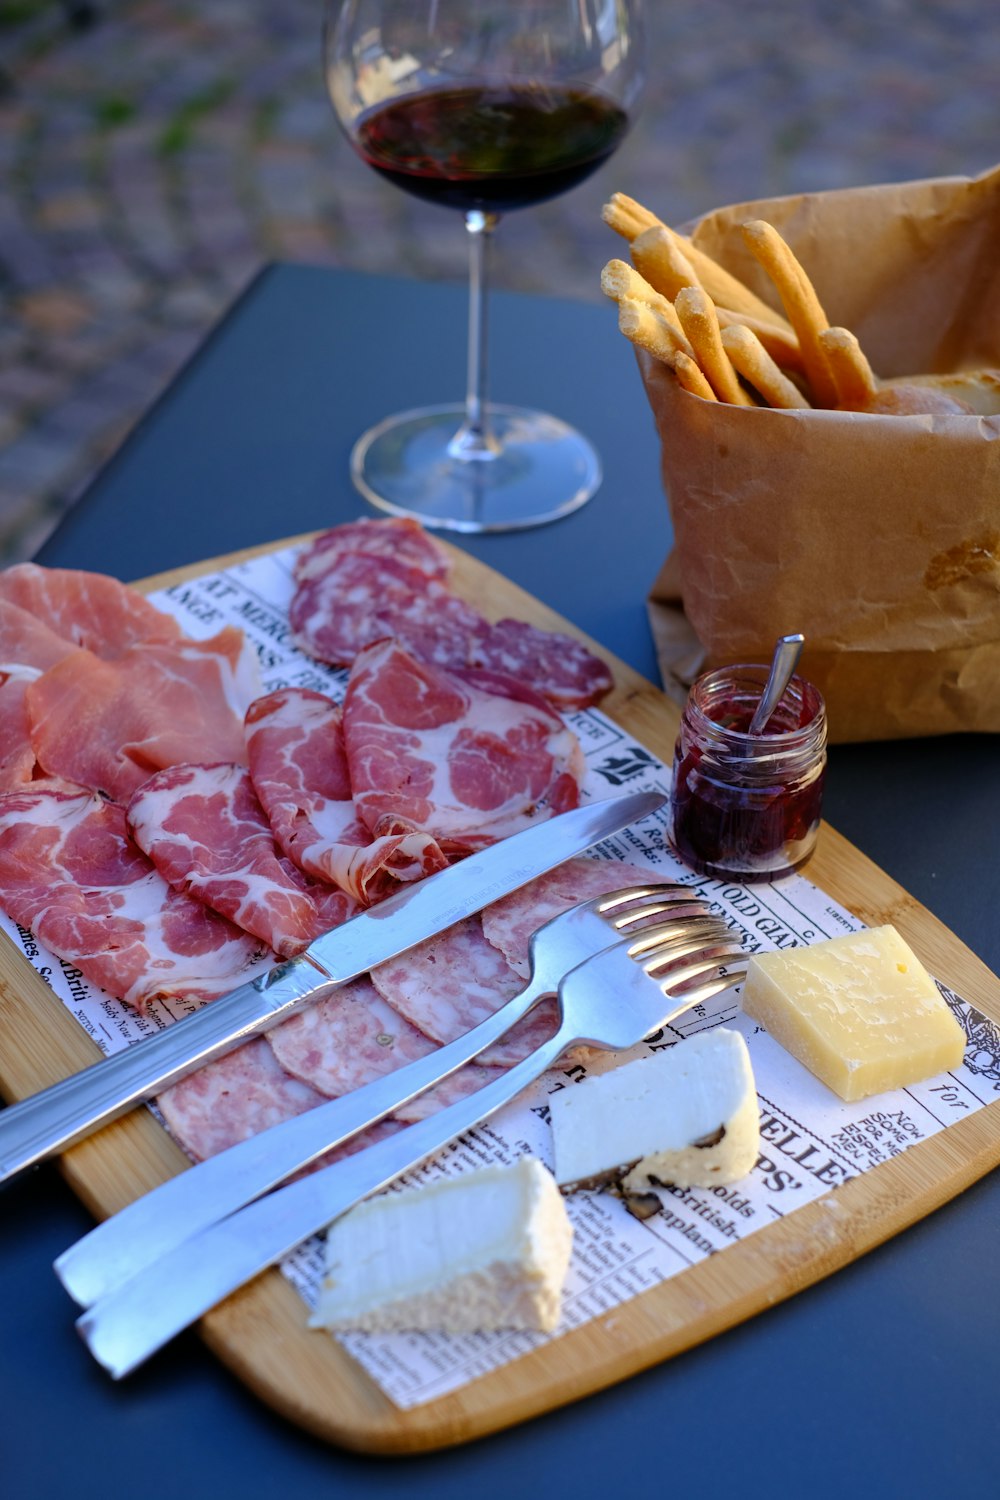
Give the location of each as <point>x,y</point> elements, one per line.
<point>559,667</point>
<point>458,1085</point>
<point>448,756</point>
<point>70,872</point>
<point>346,1039</point>
<point>207,834</point>
<point>109,725</point>
<point>396,537</point>
<point>450,983</point>
<point>298,763</point>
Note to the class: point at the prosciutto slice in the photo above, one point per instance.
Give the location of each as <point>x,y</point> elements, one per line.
<point>450,983</point>
<point>27,648</point>
<point>109,725</point>
<point>298,764</point>
<point>509,922</point>
<point>450,755</point>
<point>360,598</point>
<point>87,609</point>
<point>241,1094</point>
<point>346,1039</point>
<point>395,537</point>
<point>207,834</point>
<point>70,872</point>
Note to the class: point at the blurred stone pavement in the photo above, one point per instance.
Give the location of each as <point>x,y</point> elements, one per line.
<point>154,155</point>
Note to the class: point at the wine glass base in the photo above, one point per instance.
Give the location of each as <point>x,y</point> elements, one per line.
<point>538,470</point>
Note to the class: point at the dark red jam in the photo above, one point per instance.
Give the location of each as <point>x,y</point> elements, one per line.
<point>748,806</point>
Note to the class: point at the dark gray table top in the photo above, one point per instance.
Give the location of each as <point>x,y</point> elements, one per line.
<point>879,1381</point>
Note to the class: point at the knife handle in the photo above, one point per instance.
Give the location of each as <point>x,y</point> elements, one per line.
<point>56,1117</point>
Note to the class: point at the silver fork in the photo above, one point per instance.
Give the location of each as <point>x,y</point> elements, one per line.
<point>612,1000</point>
<point>147,1228</point>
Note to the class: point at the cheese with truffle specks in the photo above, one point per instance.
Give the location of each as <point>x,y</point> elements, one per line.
<point>859,1011</point>
<point>486,1250</point>
<point>687,1116</point>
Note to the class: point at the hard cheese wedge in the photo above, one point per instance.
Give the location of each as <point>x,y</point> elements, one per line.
<point>687,1116</point>
<point>860,1011</point>
<point>486,1250</point>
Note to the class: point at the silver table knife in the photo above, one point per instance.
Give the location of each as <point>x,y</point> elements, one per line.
<point>50,1121</point>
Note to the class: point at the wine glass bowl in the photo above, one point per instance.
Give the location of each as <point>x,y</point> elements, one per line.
<point>484,106</point>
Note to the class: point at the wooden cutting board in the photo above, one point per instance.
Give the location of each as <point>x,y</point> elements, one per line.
<point>261,1332</point>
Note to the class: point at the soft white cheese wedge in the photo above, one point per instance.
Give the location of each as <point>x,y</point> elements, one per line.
<point>860,1011</point>
<point>486,1250</point>
<point>687,1116</point>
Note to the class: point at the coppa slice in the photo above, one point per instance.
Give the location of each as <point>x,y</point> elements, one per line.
<point>207,834</point>
<point>396,537</point>
<point>346,1039</point>
<point>109,725</point>
<point>87,609</point>
<point>70,872</point>
<point>450,756</point>
<point>509,923</point>
<point>298,763</point>
<point>361,598</point>
<point>451,982</point>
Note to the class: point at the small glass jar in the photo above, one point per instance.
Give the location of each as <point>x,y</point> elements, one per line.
<point>748,806</point>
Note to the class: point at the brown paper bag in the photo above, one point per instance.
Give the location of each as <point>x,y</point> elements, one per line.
<point>876,536</point>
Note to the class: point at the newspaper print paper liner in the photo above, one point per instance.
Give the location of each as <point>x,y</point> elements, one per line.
<point>811,1142</point>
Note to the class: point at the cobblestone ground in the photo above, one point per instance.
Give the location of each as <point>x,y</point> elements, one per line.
<point>152,160</point>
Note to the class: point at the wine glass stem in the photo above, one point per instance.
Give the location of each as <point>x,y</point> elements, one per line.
<point>474,440</point>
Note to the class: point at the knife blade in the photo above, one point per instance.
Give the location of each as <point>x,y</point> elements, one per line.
<point>57,1117</point>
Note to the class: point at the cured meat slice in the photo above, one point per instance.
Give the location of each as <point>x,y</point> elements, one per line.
<point>397,537</point>
<point>450,983</point>
<point>458,1085</point>
<point>346,1039</point>
<point>207,834</point>
<point>87,609</point>
<point>509,922</point>
<point>361,598</point>
<point>70,872</point>
<point>444,755</point>
<point>17,758</point>
<point>237,1097</point>
<point>26,642</point>
<point>109,725</point>
<point>298,764</point>
<point>559,667</point>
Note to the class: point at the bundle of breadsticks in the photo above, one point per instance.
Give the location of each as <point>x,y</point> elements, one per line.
<point>724,343</point>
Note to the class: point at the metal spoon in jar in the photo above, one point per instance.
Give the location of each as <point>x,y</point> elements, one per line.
<point>783,663</point>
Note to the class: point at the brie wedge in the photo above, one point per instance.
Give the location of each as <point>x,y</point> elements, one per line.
<point>486,1250</point>
<point>686,1117</point>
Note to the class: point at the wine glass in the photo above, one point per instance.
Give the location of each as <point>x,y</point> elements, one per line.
<point>483,106</point>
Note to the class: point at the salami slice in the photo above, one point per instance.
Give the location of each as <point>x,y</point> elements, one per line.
<point>445,756</point>
<point>207,834</point>
<point>298,764</point>
<point>458,1085</point>
<point>109,725</point>
<point>70,872</point>
<point>346,1039</point>
<point>559,667</point>
<point>362,598</point>
<point>509,923</point>
<point>239,1095</point>
<point>450,983</point>
<point>397,537</point>
<point>87,609</point>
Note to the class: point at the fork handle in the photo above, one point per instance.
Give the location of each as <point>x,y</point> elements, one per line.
<point>146,1229</point>
<point>124,1328</point>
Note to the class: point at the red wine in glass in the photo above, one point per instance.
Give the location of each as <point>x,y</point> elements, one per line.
<point>481,106</point>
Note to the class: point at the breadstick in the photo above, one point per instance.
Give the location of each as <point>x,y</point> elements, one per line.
<point>852,374</point>
<point>689,376</point>
<point>697,314</point>
<point>754,363</point>
<point>627,217</point>
<point>619,281</point>
<point>644,326</point>
<point>781,346</point>
<point>659,258</point>
<point>799,299</point>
